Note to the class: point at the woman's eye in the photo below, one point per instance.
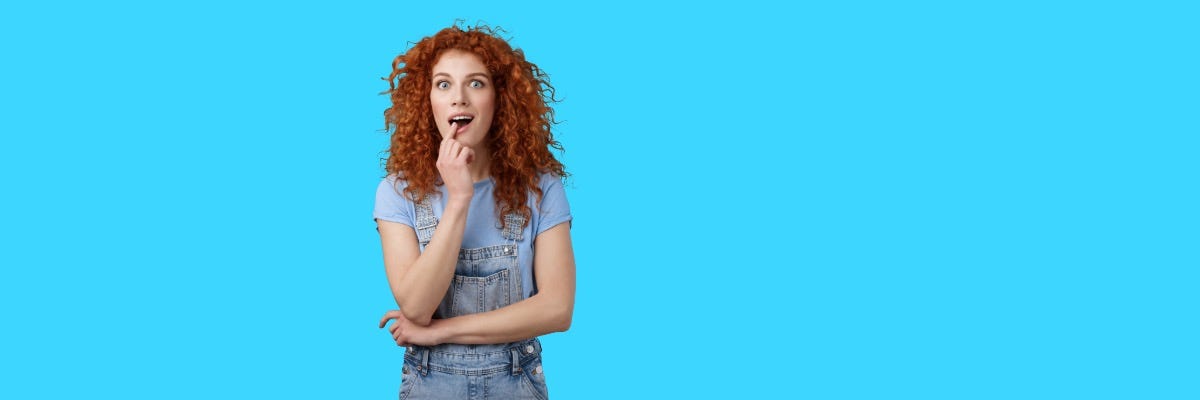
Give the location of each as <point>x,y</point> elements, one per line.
<point>443,85</point>
<point>476,84</point>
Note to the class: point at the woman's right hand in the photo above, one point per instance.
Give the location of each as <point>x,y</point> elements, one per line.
<point>452,163</point>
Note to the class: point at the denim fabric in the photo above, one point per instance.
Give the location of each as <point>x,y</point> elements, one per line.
<point>512,371</point>
<point>485,278</point>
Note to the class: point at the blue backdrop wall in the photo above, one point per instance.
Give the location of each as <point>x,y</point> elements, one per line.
<point>846,200</point>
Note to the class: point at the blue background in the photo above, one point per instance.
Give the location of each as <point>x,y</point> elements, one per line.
<point>843,200</point>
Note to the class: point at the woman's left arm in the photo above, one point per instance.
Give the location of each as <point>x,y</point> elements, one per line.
<point>545,312</point>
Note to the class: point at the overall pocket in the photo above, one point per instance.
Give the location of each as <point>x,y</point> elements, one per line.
<point>485,279</point>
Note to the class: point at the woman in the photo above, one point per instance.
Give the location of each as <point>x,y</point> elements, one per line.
<point>473,217</point>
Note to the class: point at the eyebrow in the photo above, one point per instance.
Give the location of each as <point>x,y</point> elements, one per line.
<point>468,75</point>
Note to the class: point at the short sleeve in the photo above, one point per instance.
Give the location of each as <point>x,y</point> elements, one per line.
<point>390,204</point>
<point>553,209</point>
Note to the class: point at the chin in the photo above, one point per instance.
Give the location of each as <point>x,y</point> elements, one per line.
<point>469,138</point>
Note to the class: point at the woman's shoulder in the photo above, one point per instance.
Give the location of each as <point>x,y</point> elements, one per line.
<point>551,185</point>
<point>392,184</point>
<point>549,179</point>
<point>395,186</point>
<point>552,207</point>
<point>393,180</point>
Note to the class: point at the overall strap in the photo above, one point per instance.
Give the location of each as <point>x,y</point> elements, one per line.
<point>426,221</point>
<point>514,227</point>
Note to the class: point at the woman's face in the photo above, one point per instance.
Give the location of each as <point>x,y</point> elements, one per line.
<point>462,93</point>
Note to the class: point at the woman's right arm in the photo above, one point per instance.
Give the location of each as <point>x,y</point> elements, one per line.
<point>419,279</point>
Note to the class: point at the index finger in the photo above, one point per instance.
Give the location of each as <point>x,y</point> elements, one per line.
<point>453,129</point>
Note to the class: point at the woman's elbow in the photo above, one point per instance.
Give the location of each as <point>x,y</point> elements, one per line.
<point>562,319</point>
<point>563,325</point>
<point>419,320</point>
<point>416,315</point>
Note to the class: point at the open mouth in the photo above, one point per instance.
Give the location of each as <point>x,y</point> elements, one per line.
<point>461,120</point>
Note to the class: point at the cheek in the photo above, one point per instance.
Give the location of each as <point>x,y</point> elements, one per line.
<point>437,108</point>
<point>489,104</point>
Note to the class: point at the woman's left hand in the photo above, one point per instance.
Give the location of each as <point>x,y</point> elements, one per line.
<point>406,333</point>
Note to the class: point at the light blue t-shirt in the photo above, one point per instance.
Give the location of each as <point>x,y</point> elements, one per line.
<point>483,228</point>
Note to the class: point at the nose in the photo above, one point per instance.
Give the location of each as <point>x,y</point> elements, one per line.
<point>459,99</point>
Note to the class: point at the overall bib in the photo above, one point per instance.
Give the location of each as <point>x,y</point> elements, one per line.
<point>485,278</point>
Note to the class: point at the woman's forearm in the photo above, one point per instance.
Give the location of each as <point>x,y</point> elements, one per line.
<point>532,317</point>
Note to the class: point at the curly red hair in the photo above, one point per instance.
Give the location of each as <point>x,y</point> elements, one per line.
<point>519,138</point>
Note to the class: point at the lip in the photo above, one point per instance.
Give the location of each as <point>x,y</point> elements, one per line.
<point>455,115</point>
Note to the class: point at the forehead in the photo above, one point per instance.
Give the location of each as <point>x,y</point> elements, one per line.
<point>458,62</point>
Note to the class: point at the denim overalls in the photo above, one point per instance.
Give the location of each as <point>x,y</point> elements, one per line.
<point>485,279</point>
